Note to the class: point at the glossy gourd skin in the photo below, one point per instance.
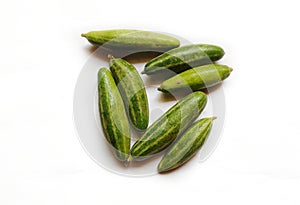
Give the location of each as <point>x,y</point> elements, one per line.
<point>196,78</point>
<point>173,122</point>
<point>187,145</point>
<point>132,90</point>
<point>183,58</point>
<point>113,117</point>
<point>132,40</point>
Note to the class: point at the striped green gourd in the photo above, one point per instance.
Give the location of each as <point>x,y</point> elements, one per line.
<point>113,117</point>
<point>180,59</point>
<point>164,130</point>
<point>187,145</point>
<point>132,90</point>
<point>132,40</point>
<point>197,78</point>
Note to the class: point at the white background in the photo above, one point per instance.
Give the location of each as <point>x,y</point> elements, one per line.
<point>258,158</point>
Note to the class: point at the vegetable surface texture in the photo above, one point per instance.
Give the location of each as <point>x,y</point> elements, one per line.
<point>132,90</point>
<point>196,78</point>
<point>163,131</point>
<point>132,40</point>
<point>187,145</point>
<point>183,58</point>
<point>113,117</point>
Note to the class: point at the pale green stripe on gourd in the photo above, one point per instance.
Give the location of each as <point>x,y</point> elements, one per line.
<point>187,145</point>
<point>133,40</point>
<point>132,90</point>
<point>180,59</point>
<point>197,78</point>
<point>112,114</point>
<point>164,130</point>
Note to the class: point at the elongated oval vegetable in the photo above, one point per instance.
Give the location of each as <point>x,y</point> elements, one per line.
<point>163,131</point>
<point>133,40</point>
<point>113,116</point>
<point>197,78</point>
<point>180,59</point>
<point>132,90</point>
<point>187,145</point>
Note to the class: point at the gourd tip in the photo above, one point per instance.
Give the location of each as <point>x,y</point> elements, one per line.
<point>160,89</point>
<point>110,57</point>
<point>128,161</point>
